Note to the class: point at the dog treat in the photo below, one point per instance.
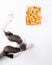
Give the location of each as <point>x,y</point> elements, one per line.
<point>33,15</point>
<point>14,38</point>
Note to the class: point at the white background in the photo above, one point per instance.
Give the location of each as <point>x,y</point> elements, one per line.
<point>39,35</point>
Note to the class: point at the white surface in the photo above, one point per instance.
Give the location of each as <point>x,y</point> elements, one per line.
<point>40,35</point>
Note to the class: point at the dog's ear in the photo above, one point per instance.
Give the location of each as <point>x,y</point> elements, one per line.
<point>8,33</point>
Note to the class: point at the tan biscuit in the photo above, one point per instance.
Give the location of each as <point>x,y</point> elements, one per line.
<point>33,15</point>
